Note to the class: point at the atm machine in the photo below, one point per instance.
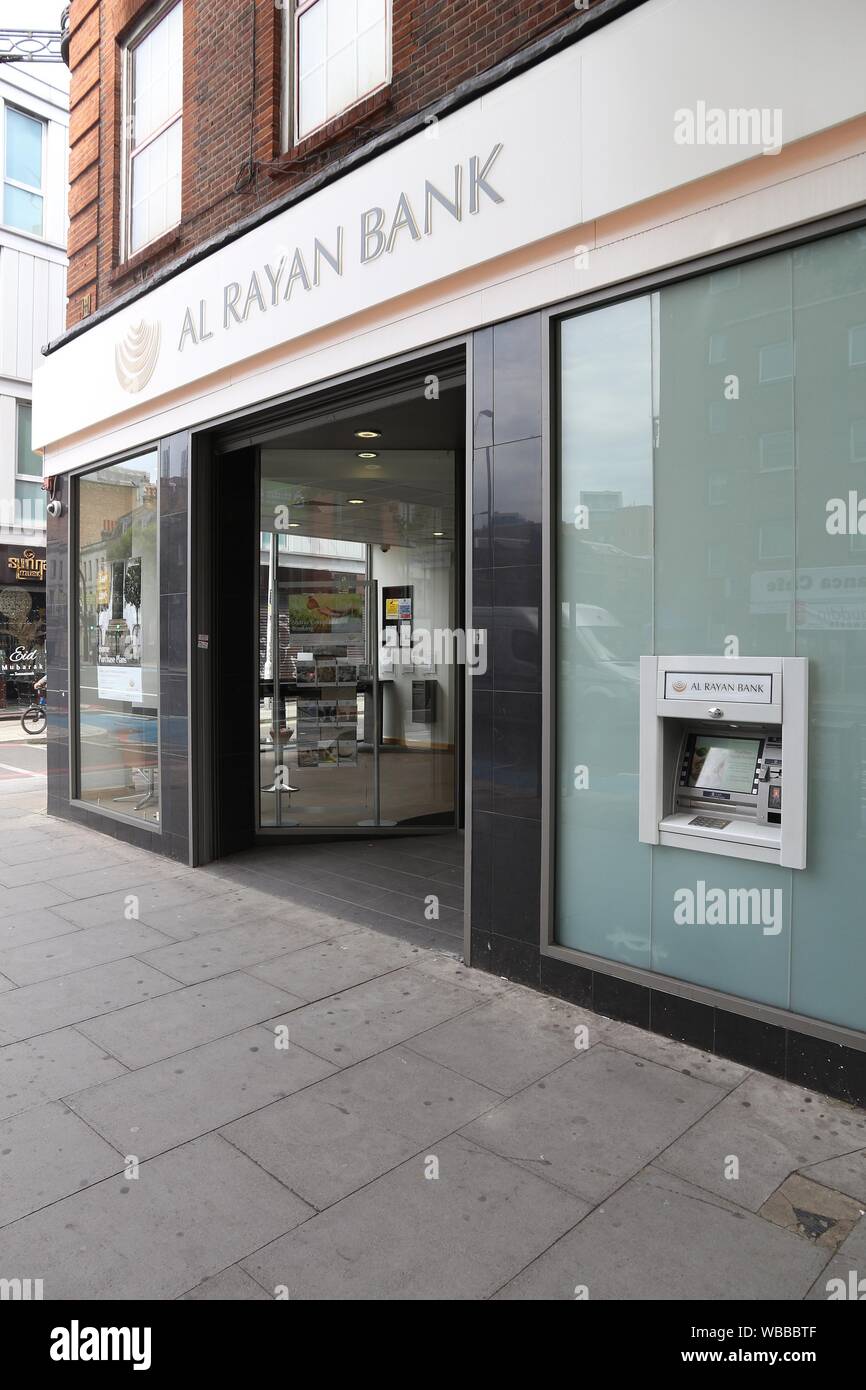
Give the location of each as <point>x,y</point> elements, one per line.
<point>724,756</point>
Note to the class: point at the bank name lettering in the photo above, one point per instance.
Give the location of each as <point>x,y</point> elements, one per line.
<point>379,232</point>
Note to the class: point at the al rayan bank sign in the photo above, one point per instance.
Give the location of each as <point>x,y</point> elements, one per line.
<point>475,185</point>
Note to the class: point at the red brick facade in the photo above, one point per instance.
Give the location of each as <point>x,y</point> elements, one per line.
<point>232,157</point>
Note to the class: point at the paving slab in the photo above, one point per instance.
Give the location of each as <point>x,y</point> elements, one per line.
<point>406,1236</point>
<point>234,948</point>
<point>49,1067</point>
<point>773,1129</point>
<point>148,1111</point>
<point>669,1053</point>
<point>660,1239</point>
<point>845,1174</point>
<point>42,960</point>
<point>339,1135</point>
<point>818,1213</point>
<point>56,865</point>
<point>121,876</point>
<point>26,900</point>
<point>194,915</point>
<point>186,1018</point>
<point>569,1126</point>
<point>231,1285</point>
<point>46,1153</point>
<point>52,1004</point>
<point>41,925</point>
<point>449,966</point>
<point>188,1215</point>
<point>507,1043</point>
<point>353,1025</point>
<point>144,898</point>
<point>331,966</point>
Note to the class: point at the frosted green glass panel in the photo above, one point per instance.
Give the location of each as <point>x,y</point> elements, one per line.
<point>707,430</point>
<point>605,622</point>
<point>828,967</point>
<point>737,944</point>
<point>724,476</point>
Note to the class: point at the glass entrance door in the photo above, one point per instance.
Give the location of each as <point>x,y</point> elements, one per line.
<point>356,693</point>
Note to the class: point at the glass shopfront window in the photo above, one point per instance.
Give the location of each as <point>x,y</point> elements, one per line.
<point>118,638</point>
<point>705,440</point>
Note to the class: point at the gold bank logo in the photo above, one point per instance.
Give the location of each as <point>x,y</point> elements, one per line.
<point>135,356</point>
<point>679,686</point>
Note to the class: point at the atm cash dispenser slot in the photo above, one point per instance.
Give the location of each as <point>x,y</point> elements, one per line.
<point>719,740</point>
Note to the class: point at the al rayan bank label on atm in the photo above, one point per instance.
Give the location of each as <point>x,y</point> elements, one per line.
<point>714,685</point>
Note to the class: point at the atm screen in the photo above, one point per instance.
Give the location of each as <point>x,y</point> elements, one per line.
<point>724,764</point>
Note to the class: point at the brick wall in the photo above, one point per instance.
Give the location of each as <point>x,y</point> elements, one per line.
<point>232,157</point>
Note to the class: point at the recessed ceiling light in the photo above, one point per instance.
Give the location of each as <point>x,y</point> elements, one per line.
<point>438,533</point>
<point>367,454</point>
<point>368,434</point>
<point>355,501</point>
<point>292,523</point>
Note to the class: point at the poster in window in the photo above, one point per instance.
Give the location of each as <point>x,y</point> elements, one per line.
<point>318,613</point>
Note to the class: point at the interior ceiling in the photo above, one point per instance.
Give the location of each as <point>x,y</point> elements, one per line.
<point>406,492</point>
<point>408,497</point>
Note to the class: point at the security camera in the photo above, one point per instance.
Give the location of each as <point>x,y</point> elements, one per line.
<point>54,508</point>
<point>384,549</point>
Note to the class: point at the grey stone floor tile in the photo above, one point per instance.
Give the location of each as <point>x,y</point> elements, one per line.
<point>231,1285</point>
<point>150,1110</point>
<point>507,1043</point>
<point>6,983</point>
<point>57,865</point>
<point>194,915</point>
<point>49,1067</point>
<point>450,967</point>
<point>339,1135</point>
<point>654,1048</point>
<point>52,1004</point>
<point>187,1018</point>
<point>655,1239</point>
<point>298,896</point>
<point>235,948</point>
<point>45,1154</point>
<point>844,1174</point>
<point>844,1278</point>
<point>149,898</point>
<point>35,895</point>
<point>332,966</point>
<point>773,1129</point>
<point>406,1236</point>
<point>56,1004</point>
<point>41,925</point>
<point>353,1025</point>
<point>188,1215</point>
<point>594,1122</point>
<point>121,876</point>
<point>42,960</point>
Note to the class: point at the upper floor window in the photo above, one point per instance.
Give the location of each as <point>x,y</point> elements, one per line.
<point>29,495</point>
<point>342,52</point>
<point>153,125</point>
<point>23,172</point>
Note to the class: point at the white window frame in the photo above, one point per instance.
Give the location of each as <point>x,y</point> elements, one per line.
<point>148,24</point>
<point>292,73</point>
<point>15,183</point>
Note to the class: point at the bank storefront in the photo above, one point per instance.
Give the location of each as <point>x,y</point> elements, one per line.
<point>604,416</point>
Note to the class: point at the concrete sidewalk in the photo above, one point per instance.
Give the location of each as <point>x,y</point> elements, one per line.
<point>210,1090</point>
